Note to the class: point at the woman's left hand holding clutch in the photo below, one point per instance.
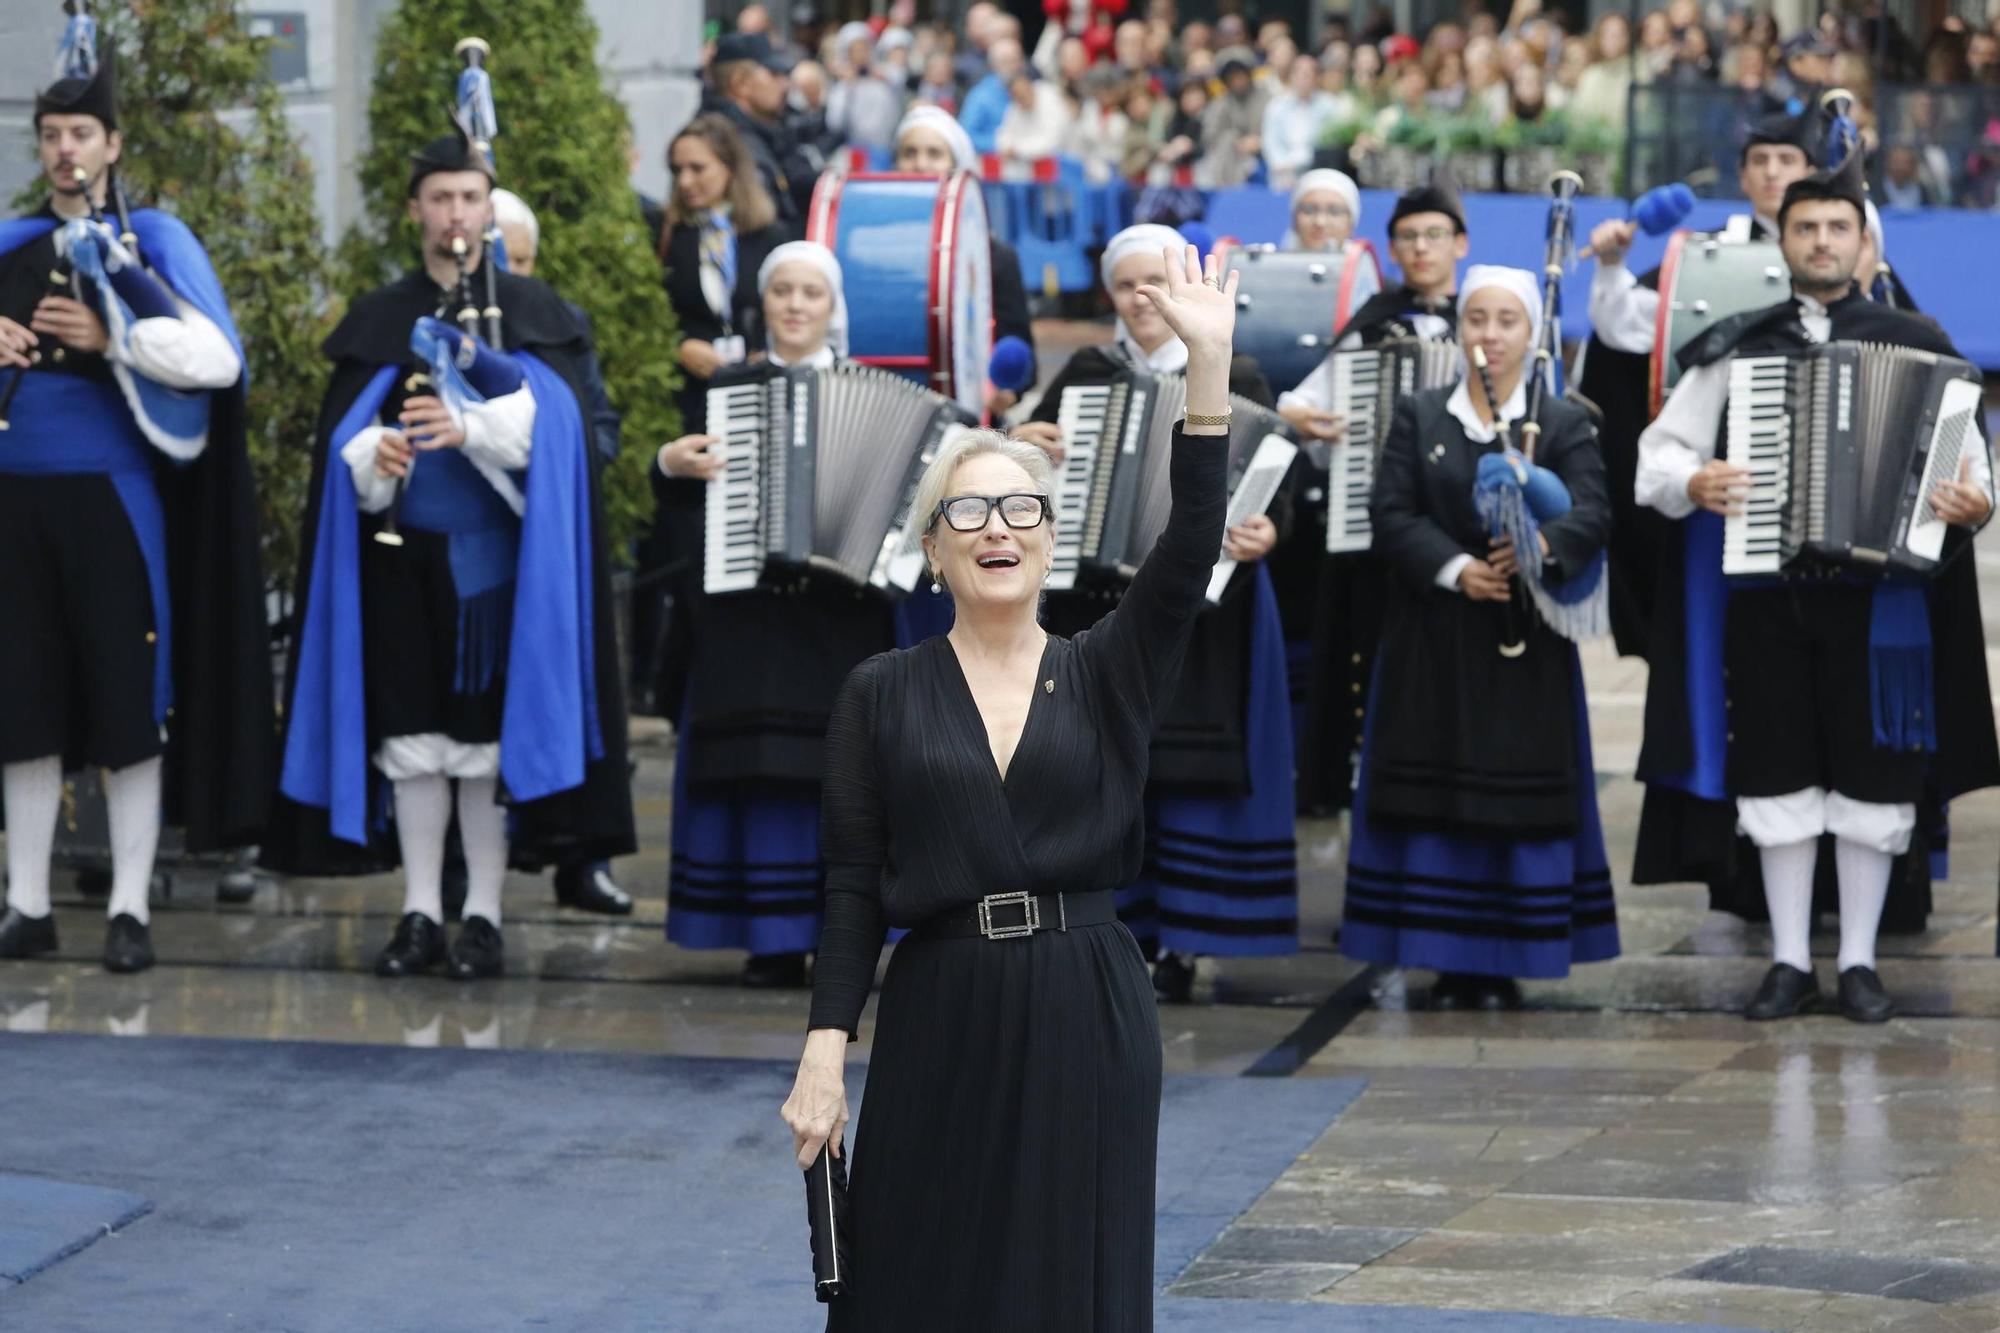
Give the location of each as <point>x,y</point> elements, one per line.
<point>816,1111</point>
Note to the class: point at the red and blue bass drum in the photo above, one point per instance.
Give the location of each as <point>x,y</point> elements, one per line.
<point>1292,304</point>
<point>916,263</point>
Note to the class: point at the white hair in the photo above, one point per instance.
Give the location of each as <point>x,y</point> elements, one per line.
<point>971,444</point>
<point>510,210</point>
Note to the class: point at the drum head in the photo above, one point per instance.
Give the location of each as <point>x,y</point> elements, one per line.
<point>962,294</point>
<point>1290,304</point>
<point>1704,280</point>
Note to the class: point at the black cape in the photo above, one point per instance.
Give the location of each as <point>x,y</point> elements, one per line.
<point>1683,838</point>
<point>592,821</point>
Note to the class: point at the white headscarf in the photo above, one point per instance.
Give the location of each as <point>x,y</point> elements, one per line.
<point>946,125</point>
<point>848,35</point>
<point>1325,178</point>
<point>821,258</point>
<point>1516,280</point>
<point>1146,238</point>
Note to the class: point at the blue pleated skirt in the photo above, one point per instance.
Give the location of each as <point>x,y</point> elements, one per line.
<point>1221,872</point>
<point>1484,905</point>
<point>745,872</point>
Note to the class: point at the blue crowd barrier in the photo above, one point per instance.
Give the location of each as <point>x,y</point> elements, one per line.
<point>1948,258</point>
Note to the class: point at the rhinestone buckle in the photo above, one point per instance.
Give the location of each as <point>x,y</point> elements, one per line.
<point>1031,916</point>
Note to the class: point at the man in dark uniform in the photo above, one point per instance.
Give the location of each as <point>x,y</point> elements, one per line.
<point>455,616</point>
<point>1336,601</point>
<point>747,83</point>
<point>130,590</point>
<point>1823,702</point>
<point>1623,312</point>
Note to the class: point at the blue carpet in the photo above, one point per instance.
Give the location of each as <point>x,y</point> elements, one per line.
<point>306,1188</point>
<point>43,1222</point>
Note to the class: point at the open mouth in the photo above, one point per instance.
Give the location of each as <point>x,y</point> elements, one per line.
<point>999,560</point>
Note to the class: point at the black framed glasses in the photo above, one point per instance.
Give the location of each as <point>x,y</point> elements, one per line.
<point>969,513</point>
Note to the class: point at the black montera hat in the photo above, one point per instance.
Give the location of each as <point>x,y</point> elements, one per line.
<point>1848,184</point>
<point>1440,196</point>
<point>96,95</point>
<point>454,152</point>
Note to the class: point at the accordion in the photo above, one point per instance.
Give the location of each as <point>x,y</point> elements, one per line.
<point>819,471</point>
<point>1366,385</point>
<point>1112,489</point>
<point>1844,443</point>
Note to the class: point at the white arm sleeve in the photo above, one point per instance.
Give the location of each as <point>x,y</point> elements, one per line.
<point>1447,575</point>
<point>1622,311</point>
<point>500,432</point>
<point>374,490</point>
<point>1681,439</point>
<point>184,353</point>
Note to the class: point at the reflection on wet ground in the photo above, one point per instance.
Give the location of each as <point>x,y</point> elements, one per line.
<point>1626,1147</point>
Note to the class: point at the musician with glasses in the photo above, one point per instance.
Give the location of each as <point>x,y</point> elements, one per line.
<point>1477,849</point>
<point>454,618</point>
<point>931,142</point>
<point>1334,606</point>
<point>984,790</point>
<point>1220,878</point>
<point>767,663</point>
<point>1616,368</point>
<point>132,622</point>
<point>1326,208</point>
<point>1823,700</point>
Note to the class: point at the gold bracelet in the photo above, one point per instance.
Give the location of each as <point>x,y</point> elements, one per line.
<point>1198,419</point>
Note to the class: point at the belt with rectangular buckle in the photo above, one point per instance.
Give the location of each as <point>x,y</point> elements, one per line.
<point>1013,916</point>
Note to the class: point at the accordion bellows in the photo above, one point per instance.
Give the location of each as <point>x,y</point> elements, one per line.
<point>819,468</point>
<point>1112,488</point>
<point>1845,442</point>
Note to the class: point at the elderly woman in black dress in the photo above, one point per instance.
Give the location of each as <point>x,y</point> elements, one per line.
<point>984,789</point>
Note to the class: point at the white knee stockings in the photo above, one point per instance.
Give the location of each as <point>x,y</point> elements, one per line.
<point>423,814</point>
<point>33,792</point>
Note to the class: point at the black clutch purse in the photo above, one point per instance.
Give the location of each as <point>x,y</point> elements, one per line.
<point>826,1214</point>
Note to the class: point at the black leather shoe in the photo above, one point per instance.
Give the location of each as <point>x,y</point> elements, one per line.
<point>1785,991</point>
<point>1454,990</point>
<point>1173,977</point>
<point>24,936</point>
<point>1496,994</point>
<point>418,946</point>
<point>775,971</point>
<point>455,880</point>
<point>478,951</point>
<point>588,887</point>
<point>128,944</point>
<point>1862,998</point>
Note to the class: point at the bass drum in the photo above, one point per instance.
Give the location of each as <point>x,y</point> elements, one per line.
<point>1705,279</point>
<point>1292,304</point>
<point>916,263</point>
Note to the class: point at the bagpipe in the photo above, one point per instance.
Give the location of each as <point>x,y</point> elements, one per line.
<point>1843,137</point>
<point>1513,496</point>
<point>472,111</point>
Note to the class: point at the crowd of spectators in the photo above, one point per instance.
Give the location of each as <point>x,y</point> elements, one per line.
<point>1143,96</point>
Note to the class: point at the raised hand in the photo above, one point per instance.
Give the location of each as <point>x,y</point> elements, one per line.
<point>1197,304</point>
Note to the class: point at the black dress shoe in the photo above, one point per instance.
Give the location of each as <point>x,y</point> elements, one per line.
<point>1453,991</point>
<point>1496,994</point>
<point>1862,998</point>
<point>588,887</point>
<point>775,971</point>
<point>128,944</point>
<point>24,936</point>
<point>478,951</point>
<point>1785,991</point>
<point>1173,977</point>
<point>417,946</point>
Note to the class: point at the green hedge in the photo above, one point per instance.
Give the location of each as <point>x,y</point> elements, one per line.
<point>563,147</point>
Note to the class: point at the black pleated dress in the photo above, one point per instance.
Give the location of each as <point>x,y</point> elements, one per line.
<point>1004,1157</point>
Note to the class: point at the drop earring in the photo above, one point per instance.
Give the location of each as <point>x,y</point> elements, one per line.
<point>936,586</point>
